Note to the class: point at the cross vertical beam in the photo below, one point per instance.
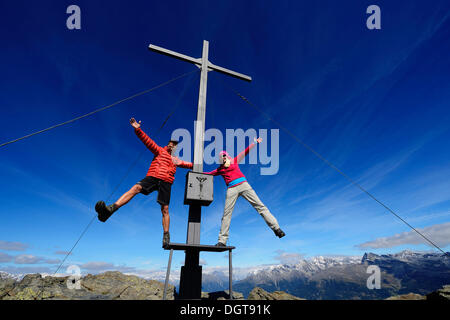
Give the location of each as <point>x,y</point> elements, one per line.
<point>201,111</point>
<point>194,220</point>
<point>191,272</point>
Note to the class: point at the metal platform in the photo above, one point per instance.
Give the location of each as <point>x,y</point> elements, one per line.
<point>197,248</point>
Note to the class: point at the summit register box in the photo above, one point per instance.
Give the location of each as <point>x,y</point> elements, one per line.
<point>199,189</point>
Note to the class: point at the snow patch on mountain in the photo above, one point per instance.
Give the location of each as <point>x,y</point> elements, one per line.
<point>307,266</point>
<point>6,275</point>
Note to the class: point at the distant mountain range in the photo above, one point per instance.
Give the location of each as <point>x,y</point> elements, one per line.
<point>346,278</point>
<point>336,277</point>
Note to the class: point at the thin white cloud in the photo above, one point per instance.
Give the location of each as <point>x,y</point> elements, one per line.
<point>61,252</point>
<point>12,246</point>
<point>4,257</point>
<point>439,234</point>
<point>288,257</point>
<point>101,266</point>
<point>31,259</point>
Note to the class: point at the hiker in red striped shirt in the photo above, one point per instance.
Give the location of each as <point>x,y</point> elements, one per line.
<point>160,177</point>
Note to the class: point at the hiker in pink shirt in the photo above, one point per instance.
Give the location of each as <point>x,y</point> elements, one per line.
<point>238,186</point>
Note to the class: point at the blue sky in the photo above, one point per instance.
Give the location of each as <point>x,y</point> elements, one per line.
<point>373,102</point>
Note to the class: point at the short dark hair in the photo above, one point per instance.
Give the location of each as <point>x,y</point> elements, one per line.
<point>175,142</point>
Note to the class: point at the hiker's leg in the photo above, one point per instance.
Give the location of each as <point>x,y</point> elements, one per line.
<point>165,217</point>
<point>166,224</point>
<point>232,195</point>
<point>105,211</point>
<point>164,189</point>
<point>127,196</point>
<point>250,195</point>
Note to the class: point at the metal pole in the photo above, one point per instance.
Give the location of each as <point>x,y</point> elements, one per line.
<point>201,111</point>
<point>230,275</point>
<point>194,220</point>
<point>166,283</point>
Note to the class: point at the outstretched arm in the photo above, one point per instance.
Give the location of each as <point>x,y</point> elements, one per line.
<point>149,143</point>
<point>241,155</point>
<point>213,173</point>
<point>182,164</point>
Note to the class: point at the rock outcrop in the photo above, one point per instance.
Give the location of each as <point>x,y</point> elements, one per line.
<point>105,286</point>
<point>6,285</point>
<point>441,294</point>
<point>261,294</point>
<point>222,295</point>
<point>409,296</point>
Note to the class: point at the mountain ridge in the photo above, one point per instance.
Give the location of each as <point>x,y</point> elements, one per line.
<point>400,273</point>
<point>330,277</point>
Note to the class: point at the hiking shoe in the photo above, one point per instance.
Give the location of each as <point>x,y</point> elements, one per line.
<point>220,244</point>
<point>104,211</point>
<point>166,240</point>
<point>279,233</point>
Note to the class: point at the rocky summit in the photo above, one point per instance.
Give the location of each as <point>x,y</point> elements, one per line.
<point>114,285</point>
<point>106,286</point>
<point>261,294</point>
<point>442,294</point>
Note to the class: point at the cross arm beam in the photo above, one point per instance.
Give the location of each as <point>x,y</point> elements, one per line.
<point>174,54</point>
<point>229,72</point>
<point>198,62</point>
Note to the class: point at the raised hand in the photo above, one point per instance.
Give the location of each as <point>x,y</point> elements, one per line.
<point>134,123</point>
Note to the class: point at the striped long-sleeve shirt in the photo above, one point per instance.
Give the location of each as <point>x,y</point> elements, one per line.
<point>163,165</point>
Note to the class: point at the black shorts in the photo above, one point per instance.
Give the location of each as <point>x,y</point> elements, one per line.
<point>150,184</point>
